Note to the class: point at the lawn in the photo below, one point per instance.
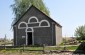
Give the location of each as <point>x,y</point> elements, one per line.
<point>41,48</point>
<point>72,47</point>
<point>32,50</point>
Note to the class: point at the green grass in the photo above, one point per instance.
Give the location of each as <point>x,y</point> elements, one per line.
<point>17,51</point>
<point>5,52</point>
<point>34,48</point>
<point>72,47</point>
<point>30,48</point>
<point>81,40</point>
<point>62,44</point>
<point>41,48</point>
<point>62,48</point>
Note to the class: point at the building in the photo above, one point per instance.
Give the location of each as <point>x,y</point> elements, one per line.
<point>35,27</point>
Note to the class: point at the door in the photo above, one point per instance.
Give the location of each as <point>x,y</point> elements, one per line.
<point>29,35</point>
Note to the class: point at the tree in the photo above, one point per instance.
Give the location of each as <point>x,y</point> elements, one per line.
<point>20,7</point>
<point>80,32</point>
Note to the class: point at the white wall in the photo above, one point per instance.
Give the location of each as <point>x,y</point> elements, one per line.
<point>58,34</point>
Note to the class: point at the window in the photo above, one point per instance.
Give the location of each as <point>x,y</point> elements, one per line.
<point>44,23</point>
<point>22,25</point>
<point>29,30</point>
<point>33,19</point>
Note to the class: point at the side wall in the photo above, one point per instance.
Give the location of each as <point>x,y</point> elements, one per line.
<point>58,31</point>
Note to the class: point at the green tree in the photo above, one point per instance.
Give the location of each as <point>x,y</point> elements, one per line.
<point>20,6</point>
<point>80,32</point>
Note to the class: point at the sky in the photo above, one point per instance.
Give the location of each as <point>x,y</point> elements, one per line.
<point>69,13</point>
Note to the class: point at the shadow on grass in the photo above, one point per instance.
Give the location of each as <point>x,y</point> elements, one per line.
<point>80,49</point>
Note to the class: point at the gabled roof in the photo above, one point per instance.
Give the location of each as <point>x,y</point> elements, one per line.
<point>39,11</point>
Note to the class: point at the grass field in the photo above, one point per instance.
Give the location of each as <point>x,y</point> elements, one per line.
<point>32,50</point>
<point>45,48</point>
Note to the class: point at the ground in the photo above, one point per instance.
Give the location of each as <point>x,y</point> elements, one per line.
<point>33,53</point>
<point>47,50</point>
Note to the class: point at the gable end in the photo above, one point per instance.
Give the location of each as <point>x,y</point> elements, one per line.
<point>39,11</point>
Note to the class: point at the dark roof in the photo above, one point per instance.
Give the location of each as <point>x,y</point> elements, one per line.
<point>38,10</point>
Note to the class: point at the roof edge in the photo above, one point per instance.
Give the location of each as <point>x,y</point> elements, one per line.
<point>23,14</point>
<point>38,10</point>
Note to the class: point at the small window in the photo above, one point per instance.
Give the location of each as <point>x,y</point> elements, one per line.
<point>33,19</point>
<point>22,25</point>
<point>29,30</point>
<point>44,23</point>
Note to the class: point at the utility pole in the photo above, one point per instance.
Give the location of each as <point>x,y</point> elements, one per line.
<point>5,42</point>
<point>5,39</point>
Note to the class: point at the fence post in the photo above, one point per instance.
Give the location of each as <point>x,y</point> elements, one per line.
<point>65,46</point>
<point>4,47</point>
<point>43,48</point>
<point>23,47</point>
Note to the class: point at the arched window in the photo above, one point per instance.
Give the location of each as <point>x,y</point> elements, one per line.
<point>33,19</point>
<point>44,23</point>
<point>29,30</point>
<point>22,25</point>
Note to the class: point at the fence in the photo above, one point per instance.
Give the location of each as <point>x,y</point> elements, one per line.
<point>43,48</point>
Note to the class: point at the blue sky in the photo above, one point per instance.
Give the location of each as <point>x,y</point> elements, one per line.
<point>69,13</point>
